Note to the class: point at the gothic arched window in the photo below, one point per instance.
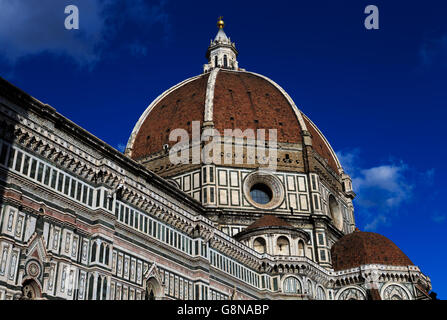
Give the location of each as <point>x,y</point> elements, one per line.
<point>309,288</point>
<point>292,285</point>
<point>151,295</point>
<point>106,261</point>
<point>153,290</point>
<point>225,61</point>
<point>90,288</point>
<point>104,289</point>
<point>320,293</point>
<point>394,292</point>
<point>31,290</point>
<point>98,288</point>
<point>101,252</point>
<point>93,257</point>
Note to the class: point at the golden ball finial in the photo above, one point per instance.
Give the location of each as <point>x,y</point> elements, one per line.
<point>220,23</point>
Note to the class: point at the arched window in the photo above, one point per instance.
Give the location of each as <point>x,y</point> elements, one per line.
<point>101,252</point>
<point>292,285</point>
<point>30,290</point>
<point>225,61</point>
<point>98,288</point>
<point>151,295</point>
<point>215,61</point>
<point>259,245</point>
<point>282,246</point>
<point>301,248</point>
<point>394,292</point>
<point>106,261</point>
<point>153,290</point>
<point>90,288</point>
<point>320,293</point>
<point>309,288</point>
<point>104,289</point>
<point>93,256</point>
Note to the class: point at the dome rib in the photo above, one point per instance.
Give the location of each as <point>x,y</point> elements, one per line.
<point>209,102</point>
<point>148,110</point>
<point>243,100</point>
<point>174,109</point>
<point>229,100</point>
<point>322,146</point>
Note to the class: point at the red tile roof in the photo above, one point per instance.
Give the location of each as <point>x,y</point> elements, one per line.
<point>362,248</point>
<point>268,221</point>
<point>242,100</point>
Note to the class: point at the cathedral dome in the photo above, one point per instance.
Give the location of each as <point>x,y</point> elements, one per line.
<point>226,99</point>
<point>363,248</point>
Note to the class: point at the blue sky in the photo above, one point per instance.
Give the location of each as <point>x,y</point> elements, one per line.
<point>379,96</point>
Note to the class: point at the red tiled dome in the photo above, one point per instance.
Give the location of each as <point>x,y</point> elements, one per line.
<point>362,248</point>
<point>268,221</point>
<point>241,100</point>
<point>176,110</point>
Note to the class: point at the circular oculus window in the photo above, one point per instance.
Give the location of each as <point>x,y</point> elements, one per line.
<point>263,190</point>
<point>261,194</point>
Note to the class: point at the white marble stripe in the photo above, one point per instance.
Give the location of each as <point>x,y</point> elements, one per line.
<point>209,101</point>
<point>148,110</point>
<point>300,118</point>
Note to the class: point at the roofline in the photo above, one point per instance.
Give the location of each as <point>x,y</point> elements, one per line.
<point>296,110</point>
<point>136,129</point>
<point>299,114</point>
<point>247,231</point>
<point>334,155</point>
<point>209,109</point>
<point>26,101</point>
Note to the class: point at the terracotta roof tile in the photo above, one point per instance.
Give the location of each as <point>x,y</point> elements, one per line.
<point>241,101</point>
<point>268,221</point>
<point>362,248</point>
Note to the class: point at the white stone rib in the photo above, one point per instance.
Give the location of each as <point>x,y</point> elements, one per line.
<point>299,116</point>
<point>148,110</point>
<point>334,155</point>
<point>209,101</point>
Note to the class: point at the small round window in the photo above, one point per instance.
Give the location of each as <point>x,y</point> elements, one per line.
<point>263,190</point>
<point>261,194</point>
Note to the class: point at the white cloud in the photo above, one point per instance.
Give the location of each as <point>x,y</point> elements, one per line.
<point>376,221</point>
<point>386,183</point>
<point>380,190</point>
<point>28,28</point>
<point>349,159</point>
<point>35,27</point>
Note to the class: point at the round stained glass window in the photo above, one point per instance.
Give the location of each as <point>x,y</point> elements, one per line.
<point>261,194</point>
